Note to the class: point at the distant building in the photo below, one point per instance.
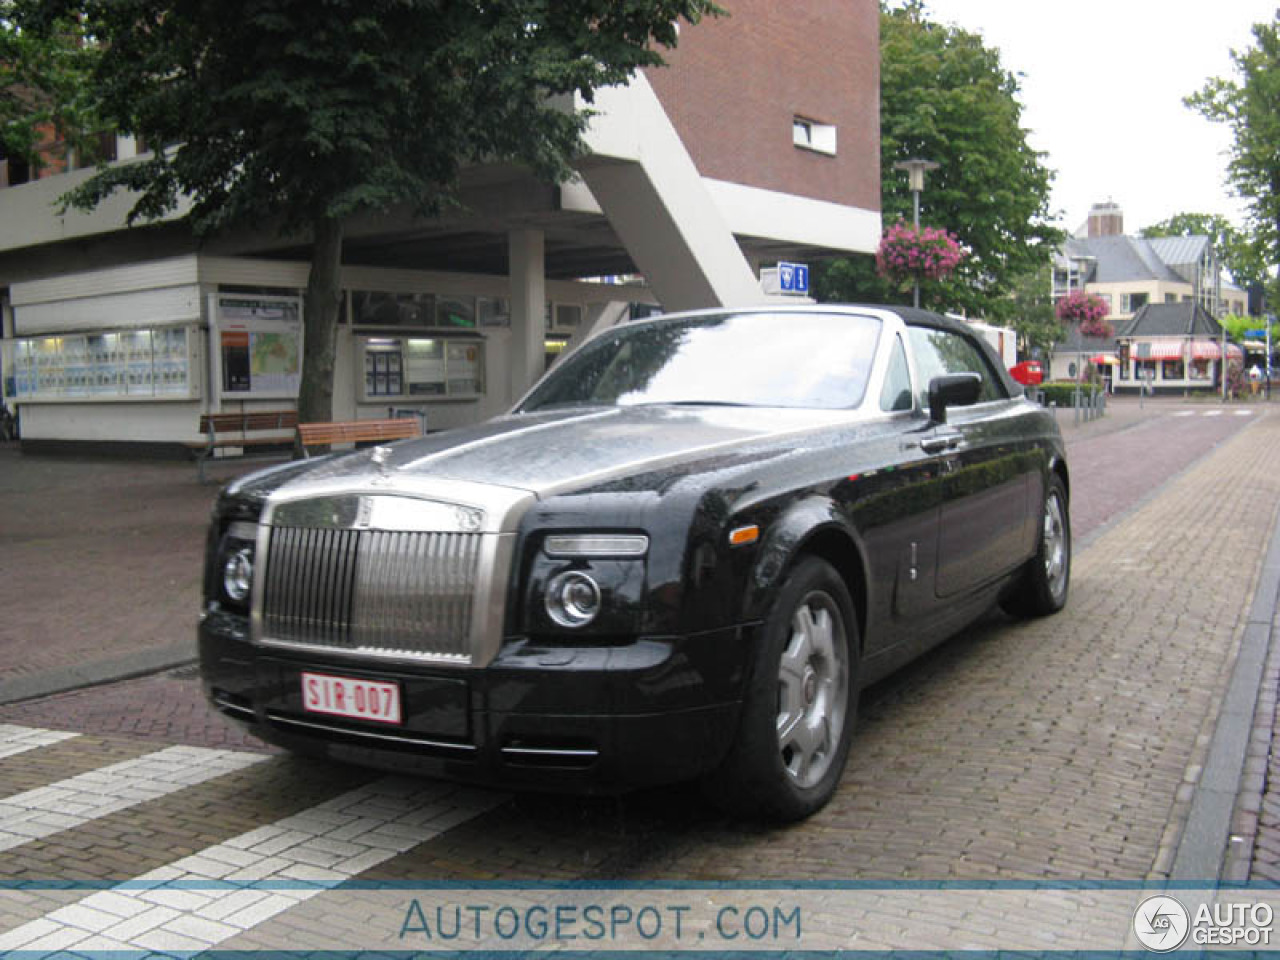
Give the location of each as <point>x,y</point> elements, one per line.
<point>1130,274</point>
<point>1170,346</point>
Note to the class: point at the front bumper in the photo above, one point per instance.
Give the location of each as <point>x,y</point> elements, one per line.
<point>576,718</point>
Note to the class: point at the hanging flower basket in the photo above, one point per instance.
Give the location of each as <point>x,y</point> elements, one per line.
<point>1088,311</point>
<point>907,255</point>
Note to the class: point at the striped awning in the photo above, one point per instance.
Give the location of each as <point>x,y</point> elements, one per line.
<point>1212,350</point>
<point>1158,350</point>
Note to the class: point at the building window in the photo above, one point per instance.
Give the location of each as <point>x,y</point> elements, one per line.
<point>19,171</point>
<point>1132,302</point>
<point>812,135</point>
<point>1170,298</point>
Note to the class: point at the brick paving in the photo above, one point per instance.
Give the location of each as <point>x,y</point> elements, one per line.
<point>1064,748</point>
<point>98,559</point>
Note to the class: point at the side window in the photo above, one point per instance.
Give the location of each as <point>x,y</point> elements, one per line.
<point>896,394</point>
<point>939,352</point>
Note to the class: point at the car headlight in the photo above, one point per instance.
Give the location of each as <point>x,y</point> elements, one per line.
<point>235,564</point>
<point>587,581</point>
<point>237,575</point>
<point>573,599</point>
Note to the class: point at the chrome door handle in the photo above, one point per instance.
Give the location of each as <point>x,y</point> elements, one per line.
<point>938,444</point>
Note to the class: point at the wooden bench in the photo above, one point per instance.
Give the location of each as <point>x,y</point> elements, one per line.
<point>356,431</point>
<point>249,430</point>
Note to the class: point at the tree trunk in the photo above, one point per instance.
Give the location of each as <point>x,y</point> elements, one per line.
<point>320,322</point>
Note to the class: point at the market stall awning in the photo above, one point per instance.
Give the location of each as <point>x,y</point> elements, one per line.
<point>1212,350</point>
<point>1158,350</point>
<point>1104,359</point>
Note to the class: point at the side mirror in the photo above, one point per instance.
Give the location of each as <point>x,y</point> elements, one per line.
<point>953,390</point>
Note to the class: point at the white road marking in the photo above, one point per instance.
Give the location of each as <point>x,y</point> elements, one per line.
<point>88,796</point>
<point>15,739</point>
<point>200,900</point>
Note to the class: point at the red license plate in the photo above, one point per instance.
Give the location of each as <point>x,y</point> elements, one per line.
<point>349,697</point>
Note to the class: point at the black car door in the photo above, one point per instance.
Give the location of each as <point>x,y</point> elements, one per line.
<point>986,476</point>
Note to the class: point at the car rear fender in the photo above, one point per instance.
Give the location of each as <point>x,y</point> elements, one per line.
<point>813,526</point>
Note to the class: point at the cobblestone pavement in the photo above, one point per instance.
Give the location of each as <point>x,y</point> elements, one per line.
<point>1066,748</point>
<point>99,562</point>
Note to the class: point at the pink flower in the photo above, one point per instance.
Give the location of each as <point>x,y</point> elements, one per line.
<point>1081,307</point>
<point>907,254</point>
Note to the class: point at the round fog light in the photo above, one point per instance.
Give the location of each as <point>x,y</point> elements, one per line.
<point>237,575</point>
<point>573,599</point>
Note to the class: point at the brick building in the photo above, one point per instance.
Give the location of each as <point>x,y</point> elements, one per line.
<point>758,143</point>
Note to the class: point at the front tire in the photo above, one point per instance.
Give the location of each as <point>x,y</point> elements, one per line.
<point>1042,588</point>
<point>797,716</point>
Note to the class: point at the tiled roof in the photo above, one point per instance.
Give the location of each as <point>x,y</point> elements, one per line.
<point>1121,259</point>
<point>1170,320</point>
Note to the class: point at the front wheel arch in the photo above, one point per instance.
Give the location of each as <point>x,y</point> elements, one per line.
<point>813,528</point>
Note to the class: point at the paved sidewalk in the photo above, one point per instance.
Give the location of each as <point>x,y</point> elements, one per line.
<point>100,564</point>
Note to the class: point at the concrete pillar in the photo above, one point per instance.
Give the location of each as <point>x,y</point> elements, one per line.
<point>641,174</point>
<point>526,266</point>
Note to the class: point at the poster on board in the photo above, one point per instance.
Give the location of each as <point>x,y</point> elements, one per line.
<point>257,346</point>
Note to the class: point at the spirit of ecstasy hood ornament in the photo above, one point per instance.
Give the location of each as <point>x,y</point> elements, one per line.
<point>379,459</point>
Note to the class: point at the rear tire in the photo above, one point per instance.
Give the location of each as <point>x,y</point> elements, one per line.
<point>1042,588</point>
<point>798,713</point>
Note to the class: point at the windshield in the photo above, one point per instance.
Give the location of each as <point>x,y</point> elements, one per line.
<point>815,360</point>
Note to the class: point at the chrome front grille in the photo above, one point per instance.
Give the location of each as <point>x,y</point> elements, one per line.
<point>391,593</point>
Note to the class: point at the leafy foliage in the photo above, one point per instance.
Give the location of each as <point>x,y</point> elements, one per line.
<point>944,96</point>
<point>45,62</point>
<point>1250,107</point>
<point>1032,316</point>
<point>298,114</point>
<point>1237,326</point>
<point>293,109</point>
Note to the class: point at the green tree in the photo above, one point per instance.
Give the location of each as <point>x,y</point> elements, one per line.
<point>945,97</point>
<point>1235,248</point>
<point>45,62</point>
<point>1032,316</point>
<point>1237,326</point>
<point>1250,107</point>
<point>300,114</point>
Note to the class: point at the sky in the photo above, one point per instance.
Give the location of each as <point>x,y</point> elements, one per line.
<point>1102,87</point>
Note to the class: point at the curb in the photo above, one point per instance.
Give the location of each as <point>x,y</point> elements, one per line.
<point>78,676</point>
<point>1204,846</point>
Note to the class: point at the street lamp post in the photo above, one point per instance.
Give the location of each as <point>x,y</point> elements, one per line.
<point>916,169</point>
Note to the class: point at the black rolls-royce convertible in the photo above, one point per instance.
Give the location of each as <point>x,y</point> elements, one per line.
<point>681,556</point>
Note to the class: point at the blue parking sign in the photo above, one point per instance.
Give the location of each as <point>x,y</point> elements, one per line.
<point>793,277</point>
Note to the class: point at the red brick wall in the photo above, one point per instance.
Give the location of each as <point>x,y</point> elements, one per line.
<point>734,84</point>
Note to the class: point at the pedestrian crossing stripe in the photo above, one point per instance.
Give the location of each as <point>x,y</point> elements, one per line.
<point>70,803</point>
<point>210,896</point>
<point>15,739</point>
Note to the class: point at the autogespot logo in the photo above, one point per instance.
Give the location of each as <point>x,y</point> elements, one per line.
<point>1161,924</point>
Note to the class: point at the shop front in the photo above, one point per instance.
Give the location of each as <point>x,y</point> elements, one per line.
<point>134,355</point>
<point>1171,364</point>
